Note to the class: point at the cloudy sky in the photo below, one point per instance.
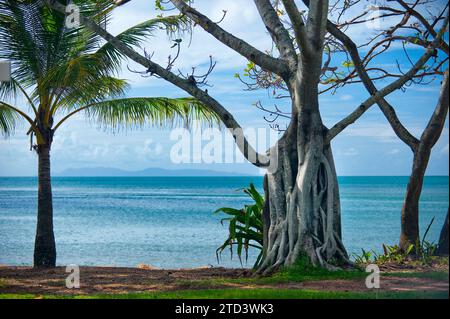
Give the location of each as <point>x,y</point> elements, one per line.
<point>368,147</point>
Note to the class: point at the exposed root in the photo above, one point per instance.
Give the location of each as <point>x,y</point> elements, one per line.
<point>304,216</point>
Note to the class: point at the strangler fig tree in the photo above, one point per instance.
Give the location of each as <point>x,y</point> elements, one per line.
<point>303,214</point>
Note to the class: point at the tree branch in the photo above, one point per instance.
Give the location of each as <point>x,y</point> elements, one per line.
<point>278,32</point>
<point>400,130</point>
<point>298,25</point>
<point>317,22</point>
<point>226,117</point>
<point>434,127</point>
<point>386,108</point>
<point>262,59</point>
<point>424,22</point>
<point>375,98</point>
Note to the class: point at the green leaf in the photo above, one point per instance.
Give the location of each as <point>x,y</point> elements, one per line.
<point>157,111</point>
<point>245,226</point>
<point>348,64</point>
<point>8,119</point>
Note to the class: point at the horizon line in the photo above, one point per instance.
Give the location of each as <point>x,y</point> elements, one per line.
<point>231,175</point>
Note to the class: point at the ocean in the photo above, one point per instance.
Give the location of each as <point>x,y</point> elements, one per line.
<point>168,222</point>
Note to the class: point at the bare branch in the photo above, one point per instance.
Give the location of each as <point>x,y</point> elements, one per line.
<point>262,59</point>
<point>226,117</point>
<point>377,96</point>
<point>202,79</point>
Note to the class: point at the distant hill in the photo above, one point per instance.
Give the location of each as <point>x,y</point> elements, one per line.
<point>108,171</point>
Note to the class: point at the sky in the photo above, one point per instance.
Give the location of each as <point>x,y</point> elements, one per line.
<point>368,147</point>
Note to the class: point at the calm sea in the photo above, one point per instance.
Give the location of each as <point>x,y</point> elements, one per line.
<point>168,221</point>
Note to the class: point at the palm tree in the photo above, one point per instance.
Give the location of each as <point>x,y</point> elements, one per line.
<point>61,72</point>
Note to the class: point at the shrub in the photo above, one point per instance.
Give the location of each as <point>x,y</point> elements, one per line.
<point>423,251</point>
<point>245,227</point>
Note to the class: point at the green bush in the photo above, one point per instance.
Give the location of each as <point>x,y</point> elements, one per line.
<point>245,227</point>
<point>423,251</point>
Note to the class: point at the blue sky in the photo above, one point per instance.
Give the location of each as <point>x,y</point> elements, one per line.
<point>368,147</point>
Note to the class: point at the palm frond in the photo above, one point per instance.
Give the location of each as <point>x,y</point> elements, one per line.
<point>135,35</point>
<point>21,39</point>
<point>90,91</point>
<point>8,120</point>
<point>8,90</point>
<point>81,80</point>
<point>156,111</point>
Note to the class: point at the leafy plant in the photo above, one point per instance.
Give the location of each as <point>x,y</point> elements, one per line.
<point>364,258</point>
<point>423,251</point>
<point>395,254</point>
<point>426,250</point>
<point>245,227</point>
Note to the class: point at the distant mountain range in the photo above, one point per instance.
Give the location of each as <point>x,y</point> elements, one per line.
<point>108,171</point>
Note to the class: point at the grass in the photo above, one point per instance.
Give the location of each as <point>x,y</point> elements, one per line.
<point>245,294</point>
<point>299,272</point>
<point>222,288</point>
<point>303,271</point>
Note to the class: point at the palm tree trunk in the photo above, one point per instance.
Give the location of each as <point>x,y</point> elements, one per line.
<point>45,248</point>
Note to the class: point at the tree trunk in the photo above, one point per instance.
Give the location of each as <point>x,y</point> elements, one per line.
<point>305,214</point>
<point>443,239</point>
<point>45,248</point>
<point>303,192</point>
<point>410,212</point>
<point>305,217</point>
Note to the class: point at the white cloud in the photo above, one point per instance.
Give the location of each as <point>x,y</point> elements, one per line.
<point>445,150</point>
<point>78,144</point>
<point>350,152</point>
<point>374,130</point>
<point>394,151</point>
<point>149,150</point>
<point>346,97</point>
<point>241,20</point>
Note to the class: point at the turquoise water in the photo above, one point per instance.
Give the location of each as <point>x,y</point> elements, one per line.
<point>168,221</point>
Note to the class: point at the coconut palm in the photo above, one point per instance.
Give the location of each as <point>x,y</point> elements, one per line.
<point>60,72</point>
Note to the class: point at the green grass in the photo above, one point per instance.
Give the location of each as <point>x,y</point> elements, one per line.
<point>300,272</point>
<point>247,294</point>
<point>303,271</point>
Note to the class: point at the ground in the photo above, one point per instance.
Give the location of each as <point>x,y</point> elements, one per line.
<point>111,282</point>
